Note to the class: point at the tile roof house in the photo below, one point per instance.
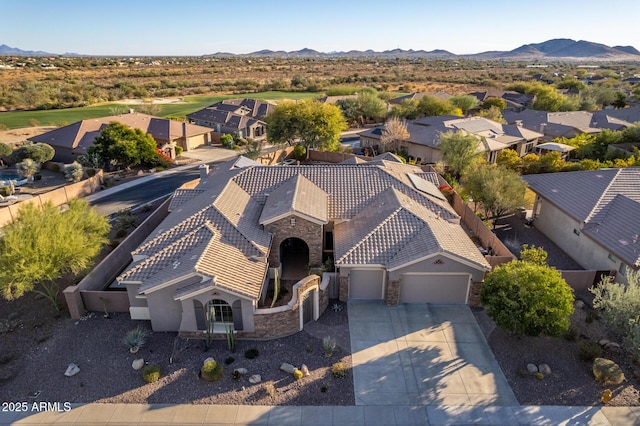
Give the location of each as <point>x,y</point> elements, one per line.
<point>572,123</point>
<point>515,101</point>
<point>75,139</point>
<point>417,96</point>
<point>238,117</point>
<point>390,230</point>
<point>592,215</point>
<point>424,133</point>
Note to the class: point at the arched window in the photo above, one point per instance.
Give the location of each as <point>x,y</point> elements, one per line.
<point>220,311</point>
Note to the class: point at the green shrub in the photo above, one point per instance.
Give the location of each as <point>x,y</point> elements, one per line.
<point>297,374</point>
<point>37,176</point>
<point>121,233</point>
<point>329,344</point>
<point>91,172</point>
<point>588,350</point>
<point>160,169</point>
<point>339,370</point>
<point>211,371</point>
<point>151,373</point>
<point>251,353</point>
<point>619,306</point>
<point>54,167</point>
<point>539,376</point>
<point>4,191</point>
<point>179,151</point>
<point>229,360</point>
<point>572,334</point>
<point>300,152</point>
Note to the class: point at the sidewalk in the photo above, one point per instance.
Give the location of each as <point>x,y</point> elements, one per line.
<point>159,414</point>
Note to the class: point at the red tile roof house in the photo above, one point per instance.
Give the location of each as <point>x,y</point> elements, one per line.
<point>390,230</point>
<point>238,117</point>
<point>592,216</point>
<point>75,139</point>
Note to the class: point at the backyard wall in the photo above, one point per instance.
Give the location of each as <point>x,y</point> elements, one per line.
<point>86,296</point>
<point>58,197</point>
<point>329,157</point>
<point>276,156</point>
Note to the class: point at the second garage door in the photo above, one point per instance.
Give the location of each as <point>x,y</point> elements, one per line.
<point>366,284</point>
<point>434,288</point>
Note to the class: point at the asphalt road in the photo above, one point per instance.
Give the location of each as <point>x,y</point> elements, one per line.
<point>143,193</point>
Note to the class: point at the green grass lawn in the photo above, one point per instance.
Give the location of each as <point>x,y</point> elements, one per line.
<point>55,117</point>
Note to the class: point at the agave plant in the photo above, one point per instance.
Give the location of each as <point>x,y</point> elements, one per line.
<point>136,338</point>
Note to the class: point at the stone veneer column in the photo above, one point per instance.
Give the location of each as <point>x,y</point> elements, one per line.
<point>344,288</point>
<point>474,295</point>
<point>393,293</point>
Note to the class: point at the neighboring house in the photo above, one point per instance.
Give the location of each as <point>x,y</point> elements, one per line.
<point>572,123</point>
<point>393,236</point>
<point>241,118</point>
<point>424,136</point>
<point>75,139</point>
<point>515,101</point>
<point>549,147</point>
<point>591,215</point>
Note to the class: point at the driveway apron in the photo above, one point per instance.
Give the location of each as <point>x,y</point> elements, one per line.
<point>422,354</point>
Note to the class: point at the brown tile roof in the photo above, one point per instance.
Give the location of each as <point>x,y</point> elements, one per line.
<point>394,231</point>
<point>217,233</point>
<point>81,135</point>
<point>297,195</point>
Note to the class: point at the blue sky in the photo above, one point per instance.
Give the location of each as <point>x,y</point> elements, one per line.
<point>197,27</point>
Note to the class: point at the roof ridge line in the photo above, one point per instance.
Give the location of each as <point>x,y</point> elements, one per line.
<point>250,241</point>
<point>155,255</point>
<point>172,228</point>
<point>592,213</point>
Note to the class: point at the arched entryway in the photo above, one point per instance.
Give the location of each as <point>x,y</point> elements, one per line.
<point>294,256</point>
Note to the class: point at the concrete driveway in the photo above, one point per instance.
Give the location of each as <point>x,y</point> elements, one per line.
<point>422,355</point>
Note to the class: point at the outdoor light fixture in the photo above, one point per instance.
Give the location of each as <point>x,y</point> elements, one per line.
<point>293,221</point>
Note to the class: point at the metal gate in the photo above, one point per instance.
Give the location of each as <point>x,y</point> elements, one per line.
<point>307,307</point>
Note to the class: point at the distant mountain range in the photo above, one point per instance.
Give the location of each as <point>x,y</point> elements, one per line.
<point>556,49</point>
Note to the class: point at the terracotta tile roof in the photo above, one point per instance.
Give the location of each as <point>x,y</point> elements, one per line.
<point>296,195</point>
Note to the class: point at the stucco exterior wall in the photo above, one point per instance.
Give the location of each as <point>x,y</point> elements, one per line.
<point>193,142</point>
<point>427,154</point>
<point>559,227</point>
<point>437,264</point>
<point>311,233</point>
<point>166,313</point>
<point>189,321</point>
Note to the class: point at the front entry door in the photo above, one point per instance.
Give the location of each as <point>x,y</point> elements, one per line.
<point>307,307</point>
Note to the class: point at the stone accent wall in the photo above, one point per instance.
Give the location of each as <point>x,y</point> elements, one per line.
<point>393,293</point>
<point>344,288</point>
<point>474,295</point>
<point>309,232</point>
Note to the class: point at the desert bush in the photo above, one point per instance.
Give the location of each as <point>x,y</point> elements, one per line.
<point>339,370</point>
<point>211,371</point>
<point>151,373</point>
<point>269,389</point>
<point>329,344</point>
<point>121,233</point>
<point>136,338</point>
<point>73,172</point>
<point>588,350</point>
<point>229,360</point>
<point>619,306</point>
<point>297,374</point>
<point>251,353</point>
<point>572,334</point>
<point>180,346</point>
<point>300,152</point>
<point>179,151</point>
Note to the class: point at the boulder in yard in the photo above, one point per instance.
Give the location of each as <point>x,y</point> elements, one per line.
<point>532,368</point>
<point>137,364</point>
<point>544,369</point>
<point>607,372</point>
<point>256,378</point>
<point>72,370</point>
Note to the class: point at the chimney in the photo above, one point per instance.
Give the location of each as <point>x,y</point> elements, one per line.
<point>519,123</point>
<point>184,130</point>
<point>542,127</point>
<point>204,171</point>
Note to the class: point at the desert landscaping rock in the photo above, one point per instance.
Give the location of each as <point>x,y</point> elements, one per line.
<point>532,368</point>
<point>137,364</point>
<point>305,370</point>
<point>72,370</point>
<point>287,368</point>
<point>603,342</point>
<point>208,360</point>
<point>579,304</point>
<point>241,371</point>
<point>544,369</point>
<point>612,346</point>
<point>607,372</point>
<point>256,378</point>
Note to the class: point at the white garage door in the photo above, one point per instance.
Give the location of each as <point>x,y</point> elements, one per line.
<point>434,288</point>
<point>366,284</point>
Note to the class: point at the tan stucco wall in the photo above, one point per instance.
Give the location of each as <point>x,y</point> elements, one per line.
<point>558,227</point>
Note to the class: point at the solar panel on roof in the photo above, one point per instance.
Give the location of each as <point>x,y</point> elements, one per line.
<point>425,186</point>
